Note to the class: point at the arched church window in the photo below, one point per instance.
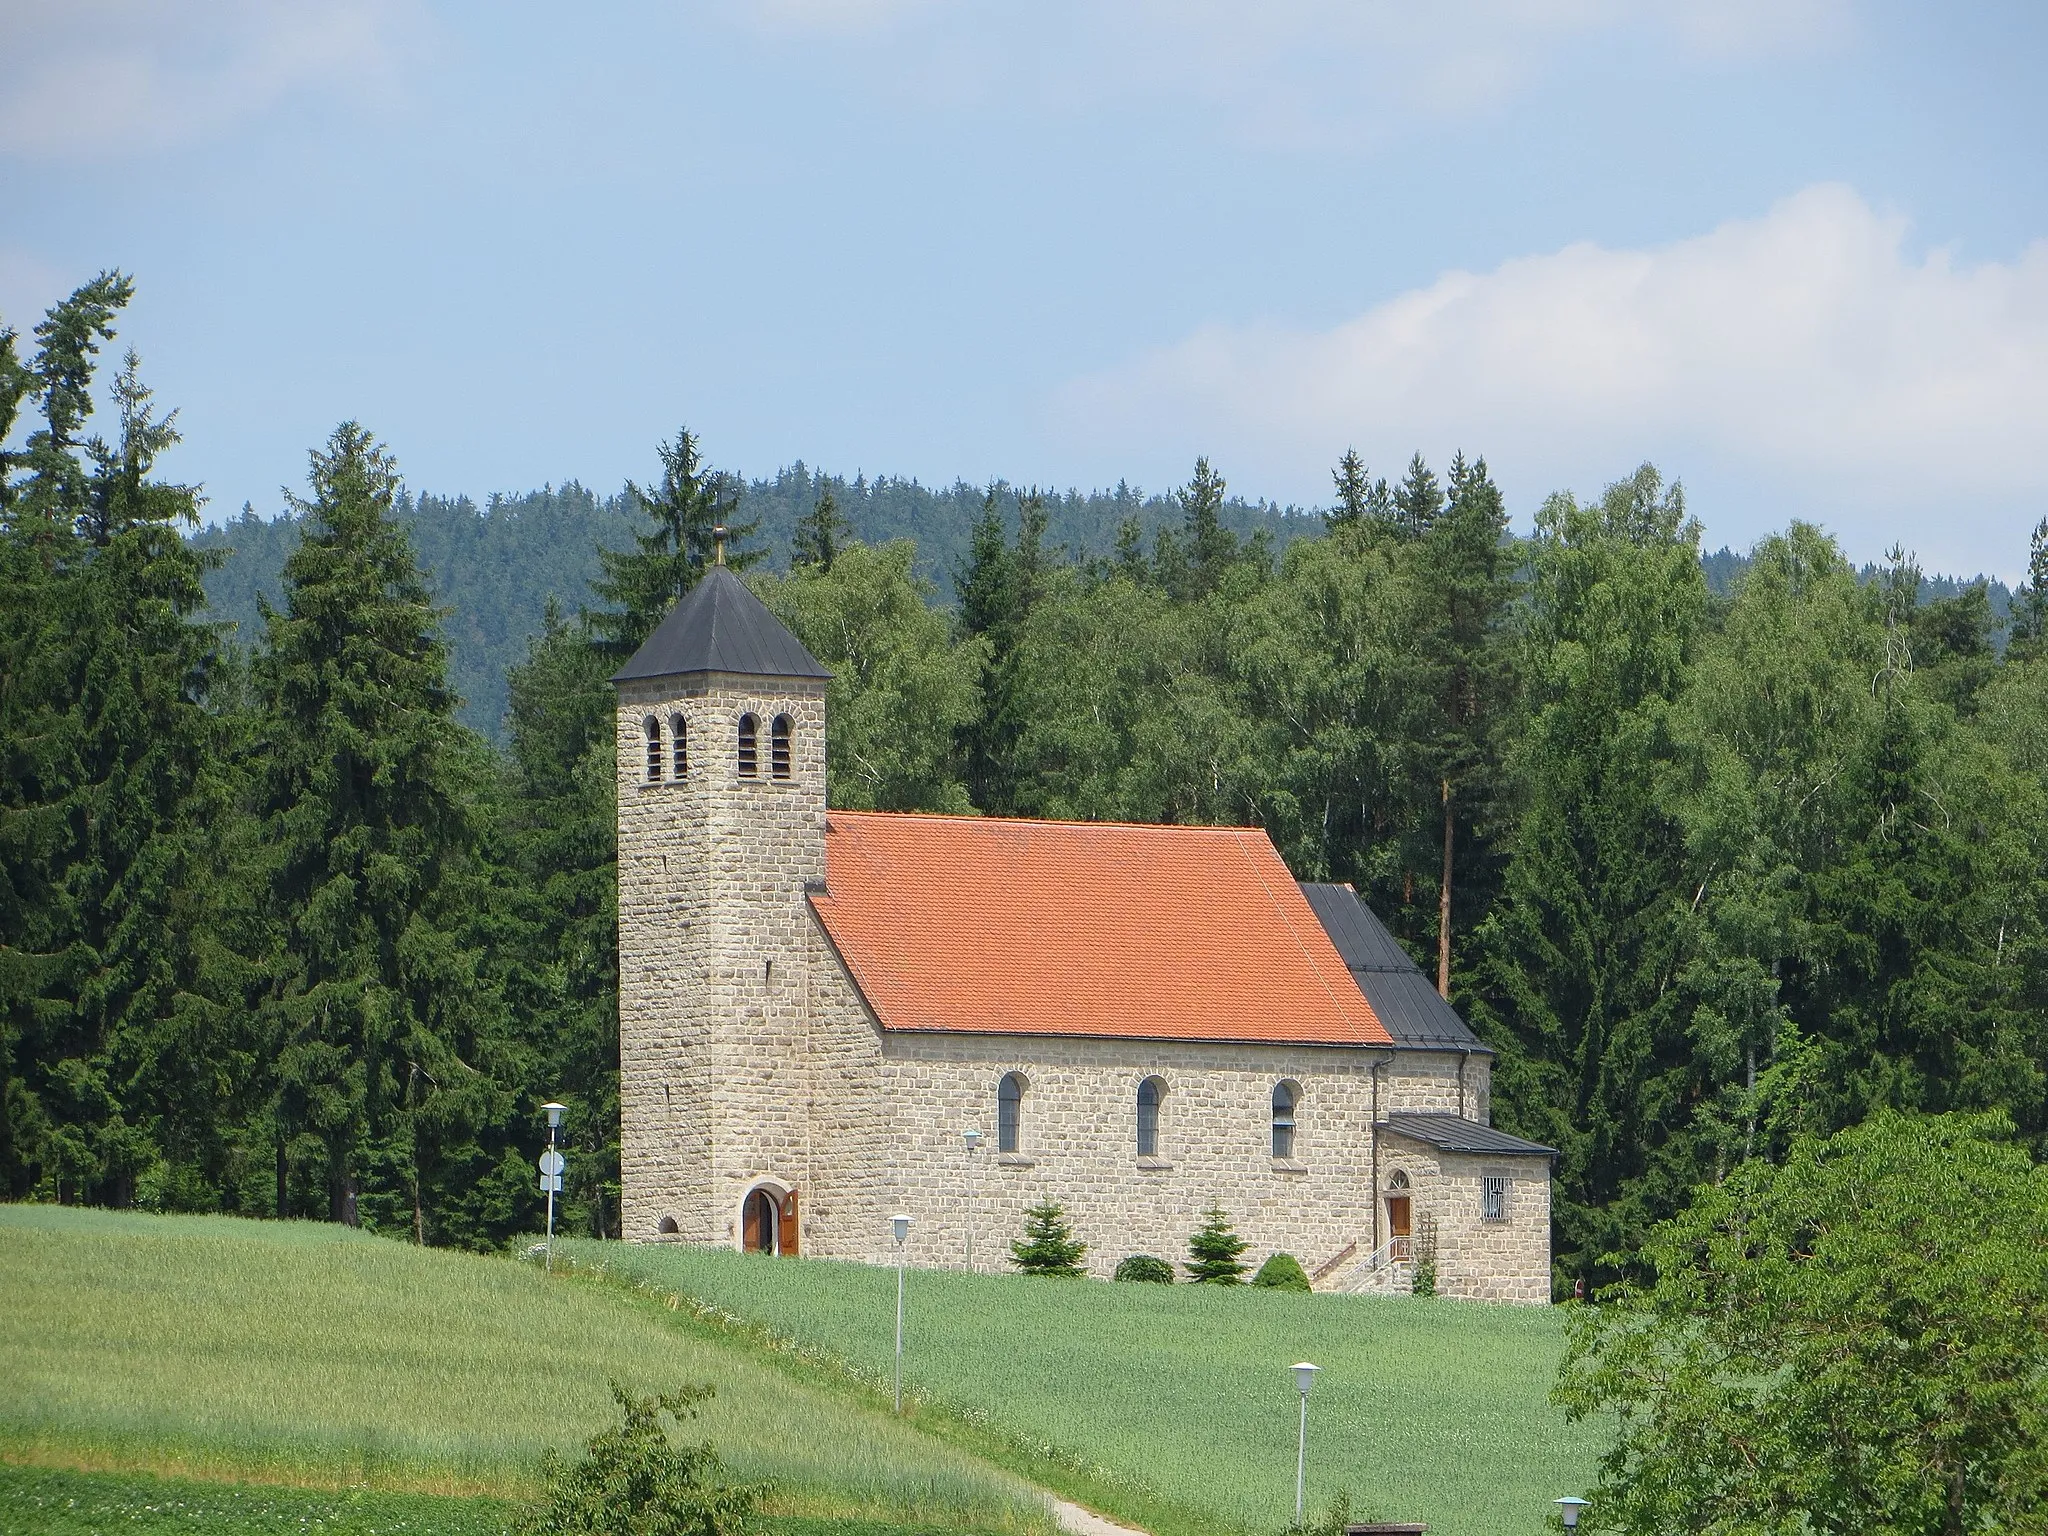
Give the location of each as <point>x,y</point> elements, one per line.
<point>750,757</point>
<point>651,728</point>
<point>679,734</point>
<point>1010,1113</point>
<point>1285,1097</point>
<point>1150,1093</point>
<point>778,748</point>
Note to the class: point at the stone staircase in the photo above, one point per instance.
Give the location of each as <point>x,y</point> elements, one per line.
<point>1385,1271</point>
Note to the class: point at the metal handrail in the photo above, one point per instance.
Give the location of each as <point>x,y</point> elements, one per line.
<point>1395,1250</point>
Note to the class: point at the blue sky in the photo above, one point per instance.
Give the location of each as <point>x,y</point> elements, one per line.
<point>1795,252</point>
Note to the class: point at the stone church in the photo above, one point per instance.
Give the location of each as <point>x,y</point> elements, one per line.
<point>829,1017</point>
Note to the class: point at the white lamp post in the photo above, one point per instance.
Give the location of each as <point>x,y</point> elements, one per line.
<point>973,1140</point>
<point>900,1226</point>
<point>1569,1508</point>
<point>551,1174</point>
<point>1304,1378</point>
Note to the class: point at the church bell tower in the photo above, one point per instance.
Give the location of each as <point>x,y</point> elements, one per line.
<point>721,829</point>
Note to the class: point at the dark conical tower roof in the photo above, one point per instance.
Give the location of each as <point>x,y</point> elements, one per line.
<point>721,627</point>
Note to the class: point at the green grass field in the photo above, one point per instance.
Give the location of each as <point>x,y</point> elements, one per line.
<point>1425,1410</point>
<point>39,1501</point>
<point>309,1354</point>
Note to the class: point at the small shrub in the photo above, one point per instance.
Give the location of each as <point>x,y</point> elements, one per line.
<point>1048,1246</point>
<point>1282,1272</point>
<point>632,1481</point>
<point>1216,1252</point>
<point>1145,1269</point>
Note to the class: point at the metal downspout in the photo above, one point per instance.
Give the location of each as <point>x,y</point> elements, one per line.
<point>1379,1065</point>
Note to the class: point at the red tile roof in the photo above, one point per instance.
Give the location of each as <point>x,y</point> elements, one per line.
<point>1083,928</point>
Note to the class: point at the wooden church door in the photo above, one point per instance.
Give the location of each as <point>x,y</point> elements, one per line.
<point>768,1225</point>
<point>1397,1223</point>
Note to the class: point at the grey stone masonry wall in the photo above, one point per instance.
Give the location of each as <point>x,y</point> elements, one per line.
<point>1078,1145</point>
<point>714,947</point>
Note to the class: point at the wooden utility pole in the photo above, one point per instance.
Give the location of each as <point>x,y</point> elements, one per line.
<point>1443,908</point>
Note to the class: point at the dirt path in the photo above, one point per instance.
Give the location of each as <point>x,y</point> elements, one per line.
<point>1080,1522</point>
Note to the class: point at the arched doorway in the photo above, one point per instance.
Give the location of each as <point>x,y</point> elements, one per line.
<point>768,1221</point>
<point>1398,1218</point>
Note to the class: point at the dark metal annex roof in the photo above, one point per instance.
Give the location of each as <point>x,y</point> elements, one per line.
<point>721,627</point>
<point>1453,1133</point>
<point>1406,1001</point>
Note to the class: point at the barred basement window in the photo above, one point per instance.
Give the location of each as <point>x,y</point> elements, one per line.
<point>778,748</point>
<point>1010,1113</point>
<point>1150,1092</point>
<point>1493,1197</point>
<point>750,763</point>
<point>680,731</point>
<point>1285,1097</point>
<point>651,728</point>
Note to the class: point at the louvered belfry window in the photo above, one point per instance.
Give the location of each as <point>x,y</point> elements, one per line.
<point>778,748</point>
<point>750,753</point>
<point>652,728</point>
<point>679,731</point>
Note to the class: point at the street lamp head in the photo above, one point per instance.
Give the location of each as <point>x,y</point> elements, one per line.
<point>554,1112</point>
<point>972,1138</point>
<point>1569,1508</point>
<point>1305,1377</point>
<point>900,1226</point>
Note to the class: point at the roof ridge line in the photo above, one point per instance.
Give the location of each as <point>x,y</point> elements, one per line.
<point>1043,821</point>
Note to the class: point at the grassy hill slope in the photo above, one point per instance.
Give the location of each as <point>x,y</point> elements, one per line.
<point>311,1354</point>
<point>1425,1410</point>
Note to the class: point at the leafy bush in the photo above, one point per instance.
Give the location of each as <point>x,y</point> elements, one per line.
<point>1779,1366</point>
<point>1282,1272</point>
<point>1216,1252</point>
<point>1145,1269</point>
<point>633,1481</point>
<point>1048,1246</point>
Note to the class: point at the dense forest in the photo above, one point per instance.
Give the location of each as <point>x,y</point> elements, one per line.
<point>493,568</point>
<point>281,935</point>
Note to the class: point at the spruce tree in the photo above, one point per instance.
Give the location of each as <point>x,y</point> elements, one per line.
<point>1216,1252</point>
<point>1460,675</point>
<point>2029,621</point>
<point>381,1024</point>
<point>1418,500</point>
<point>819,533</point>
<point>1048,1246</point>
<point>119,1011</point>
<point>559,968</point>
<point>1206,545</point>
<point>998,586</point>
<point>1361,500</point>
<point>643,583</point>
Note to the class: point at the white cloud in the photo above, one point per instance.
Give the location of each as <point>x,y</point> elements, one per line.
<point>118,77</point>
<point>1282,70</point>
<point>1807,349</point>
